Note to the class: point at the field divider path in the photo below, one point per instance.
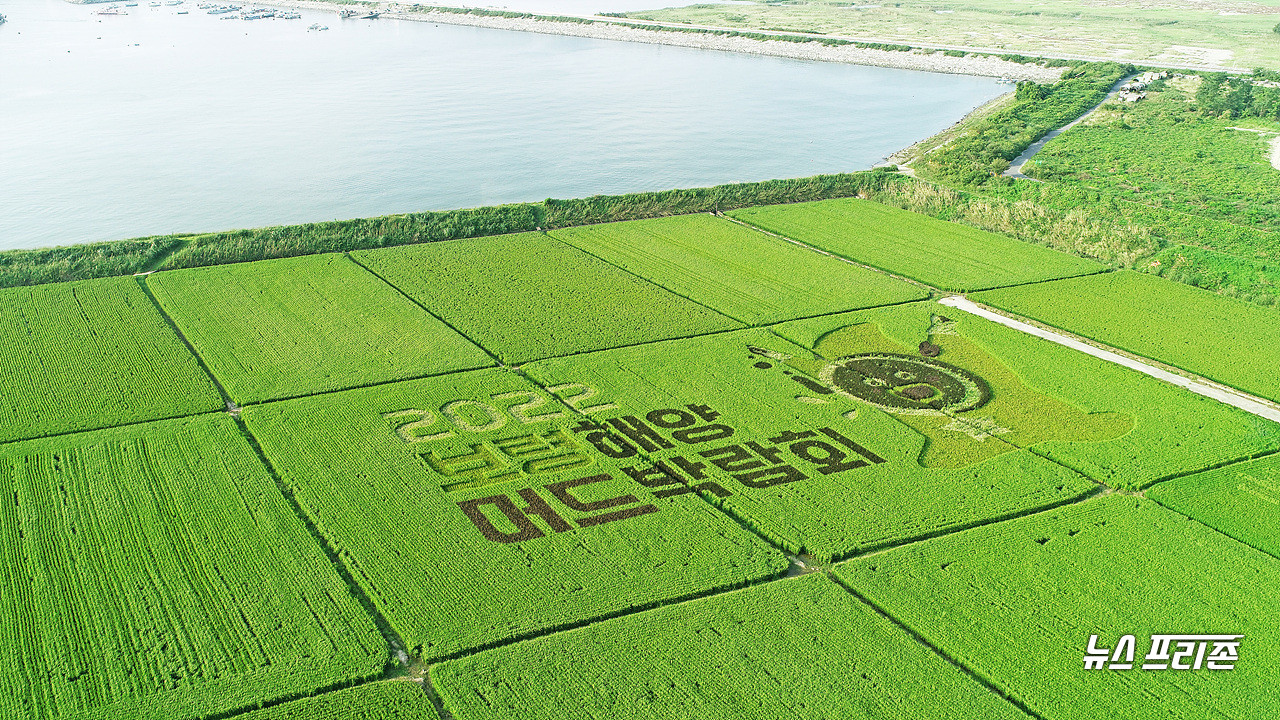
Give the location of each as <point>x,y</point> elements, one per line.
<point>394,642</point>
<point>971,673</point>
<point>841,258</point>
<point>745,322</point>
<point>426,310</point>
<point>643,279</point>
<point>232,408</point>
<point>1196,384</point>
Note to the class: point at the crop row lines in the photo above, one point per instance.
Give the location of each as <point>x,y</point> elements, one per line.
<point>1159,364</point>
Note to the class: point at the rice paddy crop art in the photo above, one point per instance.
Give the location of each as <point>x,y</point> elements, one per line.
<point>945,388</point>
<point>977,390</point>
<point>478,508</point>
<point>814,470</point>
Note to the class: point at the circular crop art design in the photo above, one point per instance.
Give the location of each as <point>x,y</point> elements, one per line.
<point>906,384</point>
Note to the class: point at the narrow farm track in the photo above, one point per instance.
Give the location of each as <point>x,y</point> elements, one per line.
<point>1015,168</point>
<point>1249,403</point>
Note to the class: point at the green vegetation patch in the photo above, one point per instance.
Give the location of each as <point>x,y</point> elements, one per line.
<point>784,451</point>
<point>1241,500</point>
<point>155,571</point>
<point>387,700</point>
<point>1173,153</point>
<point>528,296</point>
<point>88,355</point>
<point>1113,424</point>
<point>1220,338</point>
<point>284,328</point>
<point>84,262</point>
<point>800,648</point>
<point>938,253</point>
<point>738,271</point>
<point>473,511</point>
<point>1018,603</point>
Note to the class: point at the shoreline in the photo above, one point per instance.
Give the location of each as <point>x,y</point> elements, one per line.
<point>606,28</point>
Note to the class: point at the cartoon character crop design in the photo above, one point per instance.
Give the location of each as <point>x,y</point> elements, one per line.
<point>968,404</point>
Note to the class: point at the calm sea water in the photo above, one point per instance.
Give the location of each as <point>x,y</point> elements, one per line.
<point>154,122</point>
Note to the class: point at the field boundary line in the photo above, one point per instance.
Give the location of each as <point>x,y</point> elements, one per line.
<point>377,383</point>
<point>1104,270</point>
<point>1100,491</point>
<point>395,645</point>
<point>748,323</point>
<point>230,407</point>
<point>624,612</point>
<point>134,423</point>
<point>1210,528</point>
<point>1189,381</point>
<point>637,275</point>
<point>500,366</point>
<point>973,674</point>
<point>411,299</point>
<point>1210,468</point>
<point>841,258</point>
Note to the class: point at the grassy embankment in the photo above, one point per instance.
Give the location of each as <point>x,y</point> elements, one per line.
<point>125,257</point>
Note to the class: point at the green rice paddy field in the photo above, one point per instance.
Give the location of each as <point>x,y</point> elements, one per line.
<point>1217,337</point>
<point>671,468</point>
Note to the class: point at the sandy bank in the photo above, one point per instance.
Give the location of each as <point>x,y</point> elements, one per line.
<point>607,29</point>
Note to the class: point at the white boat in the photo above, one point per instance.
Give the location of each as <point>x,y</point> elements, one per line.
<point>289,15</point>
<point>344,14</point>
<point>318,26</point>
